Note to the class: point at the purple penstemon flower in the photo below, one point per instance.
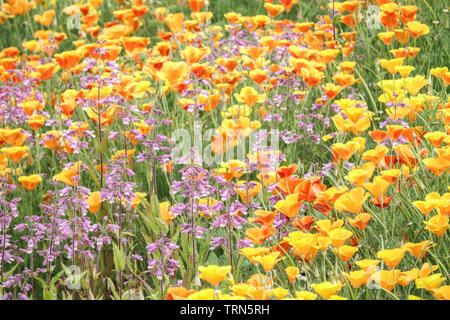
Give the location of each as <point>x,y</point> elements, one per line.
<point>162,263</point>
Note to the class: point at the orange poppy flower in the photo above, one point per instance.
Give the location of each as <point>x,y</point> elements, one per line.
<point>273,9</point>
<point>404,71</point>
<point>376,155</point>
<point>390,65</point>
<point>175,22</point>
<point>214,274</point>
<point>178,293</point>
<point>268,261</point>
<point>304,223</point>
<point>401,35</point>
<point>162,48</point>
<point>115,31</point>
<point>345,79</point>
<point>408,13</point>
<point>168,167</point>
<point>29,107</point>
<point>357,278</point>
<point>250,253</point>
<point>30,182</point>
<point>377,202</point>
<point>10,52</point>
<point>259,76</point>
<point>112,52</point>
<point>68,59</point>
<point>254,52</point>
<point>413,85</point>
<point>36,121</point>
<point>389,15</point>
<point>437,225</point>
<point>66,176</point>
<point>160,13</point>
<point>417,29</point>
<point>386,37</point>
<point>424,207</point>
<point>165,213</point>
<point>121,154</point>
<point>391,257</point>
<point>386,278</point>
<point>247,194</point>
<point>174,73</point>
<point>89,19</point>
<point>292,273</point>
<point>229,63</point>
<point>325,199</point>
<point>249,96</point>
<point>331,90</point>
<point>259,235</point>
<point>338,236</point>
<point>406,155</point>
<point>308,189</point>
<point>360,221</point>
<point>394,132</point>
<point>305,246</point>
<point>15,153</point>
<point>94,201</point>
<point>193,54</point>
<point>132,43</point>
<point>418,250</point>
<point>437,165</point>
<point>348,20</point>
<point>343,151</point>
<point>390,175</point>
<point>232,17</point>
<point>288,4</point>
<point>345,252</point>
<point>68,103</point>
<point>140,10</point>
<point>312,76</point>
<point>351,201</point>
<point>45,71</point>
<point>359,176</point>
<point>202,17</point>
<point>285,172</point>
<point>209,101</point>
<point>46,18</point>
<point>263,217</point>
<point>290,205</point>
<point>196,5</point>
<point>13,137</point>
<point>288,184</point>
<point>282,247</point>
<point>436,138</point>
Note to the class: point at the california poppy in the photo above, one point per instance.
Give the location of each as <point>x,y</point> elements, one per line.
<point>214,274</point>
<point>30,182</point>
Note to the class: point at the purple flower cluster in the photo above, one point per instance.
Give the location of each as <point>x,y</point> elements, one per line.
<point>159,257</point>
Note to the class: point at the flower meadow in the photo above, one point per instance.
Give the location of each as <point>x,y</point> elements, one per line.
<point>232,150</point>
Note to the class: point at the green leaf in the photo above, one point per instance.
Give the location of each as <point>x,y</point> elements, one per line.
<point>10,272</point>
<point>42,281</point>
<point>93,175</point>
<point>113,289</point>
<point>47,295</point>
<point>213,259</point>
<point>336,20</point>
<point>58,275</point>
<point>119,258</point>
<point>152,219</point>
<point>154,206</point>
<point>102,146</point>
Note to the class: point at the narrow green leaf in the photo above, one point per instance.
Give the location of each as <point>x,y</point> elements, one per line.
<point>119,258</point>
